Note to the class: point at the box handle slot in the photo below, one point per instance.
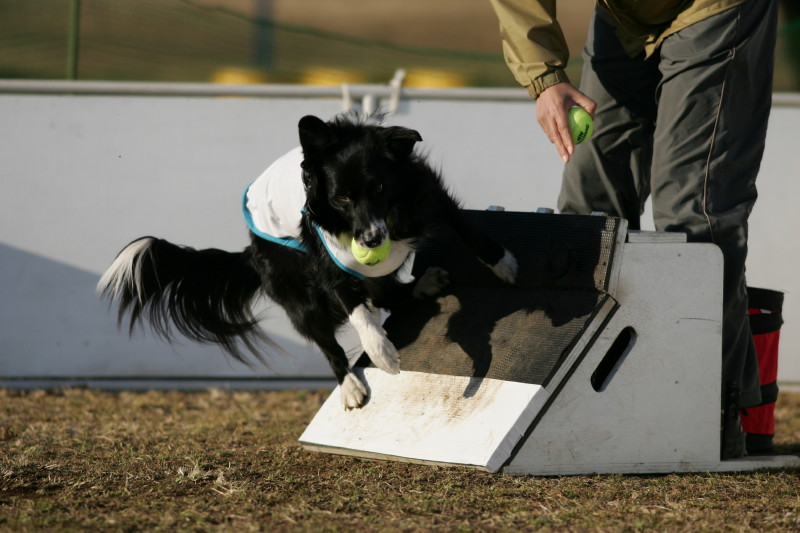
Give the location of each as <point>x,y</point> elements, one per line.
<point>613,359</point>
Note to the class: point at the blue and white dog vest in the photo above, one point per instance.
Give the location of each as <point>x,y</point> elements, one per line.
<point>273,209</point>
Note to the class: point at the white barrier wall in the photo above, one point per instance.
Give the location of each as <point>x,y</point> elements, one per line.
<point>88,167</point>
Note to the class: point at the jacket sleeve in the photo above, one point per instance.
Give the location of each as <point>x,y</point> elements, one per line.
<point>533,43</point>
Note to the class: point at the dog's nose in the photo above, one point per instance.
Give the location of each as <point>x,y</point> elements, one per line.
<point>374,240</point>
<point>373,236</point>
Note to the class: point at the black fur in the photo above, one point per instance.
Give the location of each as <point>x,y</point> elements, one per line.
<point>359,177</point>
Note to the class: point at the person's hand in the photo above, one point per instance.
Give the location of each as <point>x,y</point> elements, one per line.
<point>552,110</point>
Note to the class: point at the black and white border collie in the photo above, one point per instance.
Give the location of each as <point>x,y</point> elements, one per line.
<point>349,179</point>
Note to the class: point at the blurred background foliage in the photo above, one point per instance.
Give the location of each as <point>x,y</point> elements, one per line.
<point>439,43</point>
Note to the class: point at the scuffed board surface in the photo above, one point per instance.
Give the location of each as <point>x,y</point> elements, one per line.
<point>429,418</point>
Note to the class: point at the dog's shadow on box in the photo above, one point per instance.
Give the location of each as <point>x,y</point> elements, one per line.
<point>480,327</point>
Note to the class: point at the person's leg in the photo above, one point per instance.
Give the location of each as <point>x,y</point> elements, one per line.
<point>610,171</point>
<point>713,105</point>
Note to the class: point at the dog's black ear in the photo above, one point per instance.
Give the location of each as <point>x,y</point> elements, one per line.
<point>400,141</point>
<point>314,134</point>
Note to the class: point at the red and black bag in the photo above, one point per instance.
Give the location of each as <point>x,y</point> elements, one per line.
<point>765,323</point>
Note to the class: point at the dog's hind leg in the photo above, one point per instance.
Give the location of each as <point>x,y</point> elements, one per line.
<point>498,259</point>
<point>505,269</point>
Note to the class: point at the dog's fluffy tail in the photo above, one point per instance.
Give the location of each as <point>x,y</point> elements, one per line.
<point>204,294</point>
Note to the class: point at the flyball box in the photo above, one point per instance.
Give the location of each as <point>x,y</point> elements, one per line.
<point>604,357</point>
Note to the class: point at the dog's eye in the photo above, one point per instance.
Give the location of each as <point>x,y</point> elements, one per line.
<point>379,188</point>
<point>342,197</point>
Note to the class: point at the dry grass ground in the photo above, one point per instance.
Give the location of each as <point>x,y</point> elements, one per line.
<point>87,460</point>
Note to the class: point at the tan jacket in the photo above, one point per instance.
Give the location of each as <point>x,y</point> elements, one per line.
<point>534,45</point>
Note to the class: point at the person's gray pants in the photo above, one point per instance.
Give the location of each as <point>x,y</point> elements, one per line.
<point>686,126</point>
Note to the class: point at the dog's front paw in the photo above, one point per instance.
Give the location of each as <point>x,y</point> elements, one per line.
<point>373,338</point>
<point>352,391</point>
<point>431,283</point>
<point>382,352</point>
<point>507,268</point>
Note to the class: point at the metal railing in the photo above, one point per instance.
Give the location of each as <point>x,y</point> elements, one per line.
<point>779,99</point>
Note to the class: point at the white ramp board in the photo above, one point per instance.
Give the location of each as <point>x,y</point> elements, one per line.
<point>429,418</point>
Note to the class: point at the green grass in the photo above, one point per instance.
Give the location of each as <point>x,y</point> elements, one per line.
<point>88,460</point>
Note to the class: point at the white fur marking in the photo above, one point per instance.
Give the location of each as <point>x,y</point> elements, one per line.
<point>352,391</point>
<point>121,273</point>
<point>373,338</point>
<point>507,268</point>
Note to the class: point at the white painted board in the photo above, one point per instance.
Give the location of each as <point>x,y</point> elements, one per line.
<point>429,418</point>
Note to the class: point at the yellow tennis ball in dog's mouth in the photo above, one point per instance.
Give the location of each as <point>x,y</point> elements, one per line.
<point>370,256</point>
<point>580,124</point>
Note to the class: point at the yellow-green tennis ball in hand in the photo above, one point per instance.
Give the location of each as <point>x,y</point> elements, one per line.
<point>580,124</point>
<point>370,256</point>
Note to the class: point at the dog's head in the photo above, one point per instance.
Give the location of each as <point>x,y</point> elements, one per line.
<point>355,174</point>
